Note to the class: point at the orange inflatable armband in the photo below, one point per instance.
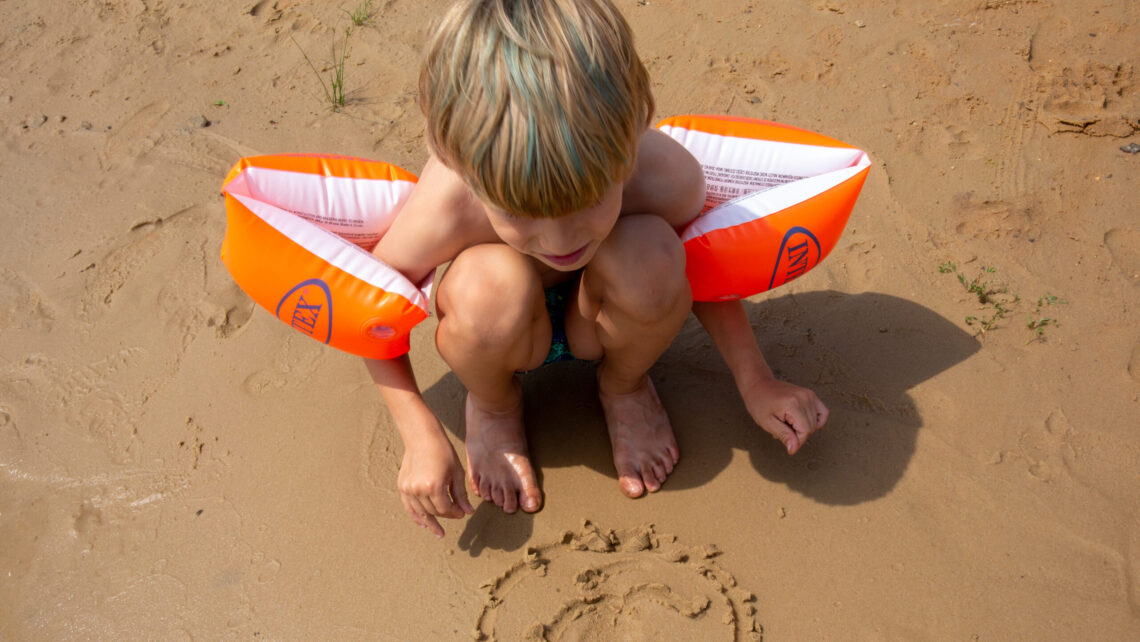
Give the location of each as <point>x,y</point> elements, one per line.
<point>299,229</point>
<point>777,200</point>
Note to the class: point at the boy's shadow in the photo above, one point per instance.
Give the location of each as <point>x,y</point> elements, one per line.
<point>860,353</point>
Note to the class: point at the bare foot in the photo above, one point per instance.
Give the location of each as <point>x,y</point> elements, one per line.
<point>645,450</point>
<point>498,462</point>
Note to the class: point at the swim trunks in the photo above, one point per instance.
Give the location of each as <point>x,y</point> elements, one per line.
<point>557,297</point>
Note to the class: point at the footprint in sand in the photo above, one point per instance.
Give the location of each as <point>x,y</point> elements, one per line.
<point>1091,99</point>
<point>232,313</point>
<point>296,358</point>
<point>22,305</point>
<point>169,265</point>
<point>135,136</point>
<point>1124,247</point>
<point>1050,450</point>
<point>632,584</point>
<point>150,254</point>
<point>60,401</point>
<point>989,220</point>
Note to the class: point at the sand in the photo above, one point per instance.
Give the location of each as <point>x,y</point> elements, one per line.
<point>176,464</point>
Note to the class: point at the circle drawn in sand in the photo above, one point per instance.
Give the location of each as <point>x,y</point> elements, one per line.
<point>633,584</point>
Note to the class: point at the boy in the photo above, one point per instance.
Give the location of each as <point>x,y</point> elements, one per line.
<point>546,182</point>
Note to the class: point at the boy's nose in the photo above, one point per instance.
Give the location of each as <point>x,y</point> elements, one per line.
<point>560,242</point>
<point>560,249</point>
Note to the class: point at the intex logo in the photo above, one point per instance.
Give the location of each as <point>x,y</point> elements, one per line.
<point>799,252</point>
<point>308,308</point>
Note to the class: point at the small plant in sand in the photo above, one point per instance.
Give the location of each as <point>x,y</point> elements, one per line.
<point>1038,322</point>
<point>361,15</point>
<point>998,304</point>
<point>334,90</point>
<point>983,289</point>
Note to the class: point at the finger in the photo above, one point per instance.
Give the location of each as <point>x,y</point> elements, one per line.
<point>421,514</point>
<point>443,504</point>
<point>815,414</point>
<point>822,413</point>
<point>810,419</point>
<point>412,511</point>
<point>792,445</point>
<point>459,494</point>
<point>801,426</point>
<point>423,505</point>
<point>784,433</point>
<point>432,524</point>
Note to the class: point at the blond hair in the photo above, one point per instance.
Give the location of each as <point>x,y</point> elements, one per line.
<point>537,104</point>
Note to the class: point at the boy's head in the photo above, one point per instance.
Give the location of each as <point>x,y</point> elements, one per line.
<point>537,104</point>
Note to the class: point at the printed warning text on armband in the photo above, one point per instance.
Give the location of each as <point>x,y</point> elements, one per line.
<point>360,238</point>
<point>726,183</point>
<point>329,220</point>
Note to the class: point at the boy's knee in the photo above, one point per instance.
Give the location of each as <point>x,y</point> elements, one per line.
<point>488,293</point>
<point>644,265</point>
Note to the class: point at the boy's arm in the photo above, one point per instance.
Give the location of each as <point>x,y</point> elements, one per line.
<point>788,412</point>
<point>431,479</point>
<point>431,229</point>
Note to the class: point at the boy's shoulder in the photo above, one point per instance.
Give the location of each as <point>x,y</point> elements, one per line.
<point>439,220</point>
<point>667,181</point>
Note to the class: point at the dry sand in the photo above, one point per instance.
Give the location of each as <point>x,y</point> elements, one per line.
<point>175,464</point>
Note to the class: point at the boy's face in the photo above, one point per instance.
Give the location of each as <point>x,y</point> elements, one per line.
<point>566,243</point>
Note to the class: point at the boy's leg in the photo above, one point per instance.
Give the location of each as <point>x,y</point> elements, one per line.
<point>632,300</point>
<point>492,324</point>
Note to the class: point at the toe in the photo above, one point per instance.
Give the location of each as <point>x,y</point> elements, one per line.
<point>530,496</point>
<point>649,478</point>
<point>628,478</point>
<point>510,501</point>
<point>531,500</point>
<point>631,485</point>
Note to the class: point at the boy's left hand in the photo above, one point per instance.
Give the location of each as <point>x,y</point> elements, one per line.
<point>788,412</point>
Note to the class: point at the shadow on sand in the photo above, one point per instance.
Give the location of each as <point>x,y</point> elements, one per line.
<point>861,353</point>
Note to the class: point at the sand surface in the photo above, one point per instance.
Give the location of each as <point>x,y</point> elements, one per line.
<point>176,464</point>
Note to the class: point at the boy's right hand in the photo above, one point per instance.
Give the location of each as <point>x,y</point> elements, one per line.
<point>431,482</point>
